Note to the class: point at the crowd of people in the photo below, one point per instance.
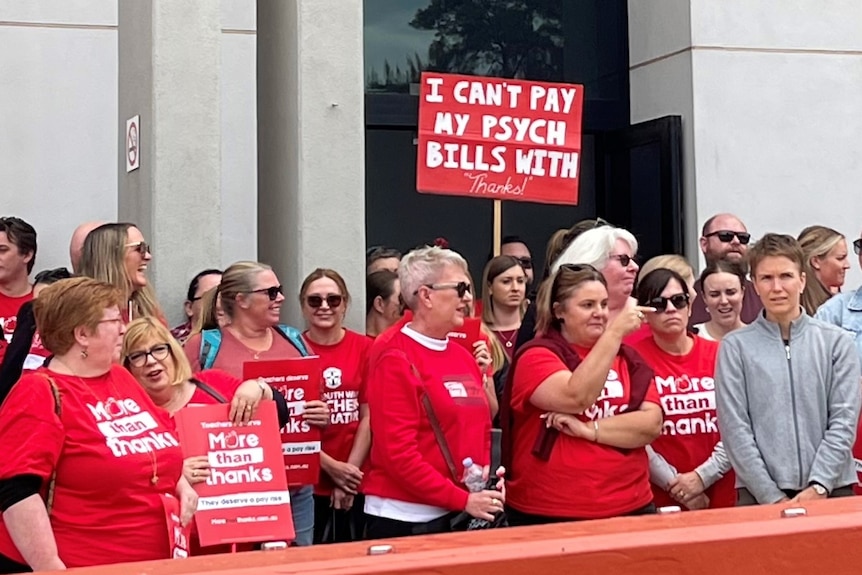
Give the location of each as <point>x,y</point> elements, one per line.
<point>617,388</point>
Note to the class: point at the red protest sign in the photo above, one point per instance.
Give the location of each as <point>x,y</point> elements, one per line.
<point>467,334</point>
<point>499,139</point>
<point>246,497</point>
<point>299,381</point>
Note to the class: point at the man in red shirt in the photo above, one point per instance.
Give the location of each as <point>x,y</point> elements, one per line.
<point>17,257</point>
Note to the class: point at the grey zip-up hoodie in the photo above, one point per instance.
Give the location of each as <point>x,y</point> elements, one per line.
<point>788,414</point>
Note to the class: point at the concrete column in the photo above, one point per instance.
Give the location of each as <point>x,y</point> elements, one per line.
<point>169,75</point>
<point>769,94</point>
<point>311,144</point>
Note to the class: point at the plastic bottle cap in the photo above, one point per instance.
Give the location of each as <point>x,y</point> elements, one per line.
<point>468,462</point>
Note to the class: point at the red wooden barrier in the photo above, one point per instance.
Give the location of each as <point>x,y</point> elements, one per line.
<point>745,540</point>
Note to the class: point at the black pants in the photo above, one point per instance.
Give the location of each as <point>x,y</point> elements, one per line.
<point>9,566</point>
<point>745,498</point>
<point>338,526</point>
<point>383,528</point>
<point>521,519</point>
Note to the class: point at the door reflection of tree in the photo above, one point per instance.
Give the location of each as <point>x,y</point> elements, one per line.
<point>504,38</point>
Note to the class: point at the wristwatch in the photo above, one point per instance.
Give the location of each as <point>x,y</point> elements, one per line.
<point>818,489</point>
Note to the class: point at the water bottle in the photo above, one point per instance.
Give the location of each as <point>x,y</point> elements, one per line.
<point>473,475</point>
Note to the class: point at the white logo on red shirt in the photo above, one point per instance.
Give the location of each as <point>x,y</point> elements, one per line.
<point>128,429</point>
<point>332,377</point>
<point>687,396</point>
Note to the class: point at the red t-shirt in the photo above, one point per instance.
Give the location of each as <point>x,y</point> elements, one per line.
<point>232,354</point>
<point>9,307</point>
<point>687,389</point>
<point>406,463</point>
<point>343,366</point>
<point>106,447</point>
<point>581,479</point>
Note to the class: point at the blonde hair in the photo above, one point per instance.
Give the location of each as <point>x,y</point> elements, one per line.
<point>424,266</point>
<point>237,279</point>
<point>103,258</point>
<point>671,262</point>
<point>816,242</point>
<point>68,304</point>
<point>146,329</point>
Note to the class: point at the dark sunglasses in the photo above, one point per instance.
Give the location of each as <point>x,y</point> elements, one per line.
<point>857,246</point>
<point>679,301</point>
<point>461,287</point>
<point>142,248</point>
<point>271,292</point>
<point>726,236</point>
<point>624,259</point>
<point>526,263</point>
<point>332,300</point>
<point>157,352</point>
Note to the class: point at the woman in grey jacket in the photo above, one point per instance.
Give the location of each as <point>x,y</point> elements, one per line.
<point>788,390</point>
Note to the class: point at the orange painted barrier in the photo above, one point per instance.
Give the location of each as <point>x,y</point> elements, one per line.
<point>727,541</point>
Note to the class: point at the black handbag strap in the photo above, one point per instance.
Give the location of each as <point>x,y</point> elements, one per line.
<point>441,439</point>
<point>208,390</point>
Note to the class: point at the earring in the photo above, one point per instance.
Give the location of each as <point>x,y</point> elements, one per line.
<point>84,353</point>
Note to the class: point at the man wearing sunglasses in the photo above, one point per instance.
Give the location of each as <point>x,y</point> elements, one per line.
<point>725,237</point>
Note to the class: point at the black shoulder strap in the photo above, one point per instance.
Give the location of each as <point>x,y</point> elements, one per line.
<point>438,434</point>
<point>208,390</point>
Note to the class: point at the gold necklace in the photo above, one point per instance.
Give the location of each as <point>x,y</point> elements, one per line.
<point>154,460</point>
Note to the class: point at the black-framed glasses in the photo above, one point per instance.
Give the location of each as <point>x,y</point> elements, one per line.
<point>726,236</point>
<point>526,263</point>
<point>624,259</point>
<point>157,352</point>
<point>141,247</point>
<point>271,292</point>
<point>461,287</point>
<point>333,300</point>
<point>679,301</point>
<point>857,246</point>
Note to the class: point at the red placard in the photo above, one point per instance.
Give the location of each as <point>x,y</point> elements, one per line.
<point>299,381</point>
<point>499,139</point>
<point>467,334</point>
<point>246,497</point>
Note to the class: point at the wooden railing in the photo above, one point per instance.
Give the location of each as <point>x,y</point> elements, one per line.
<point>826,541</point>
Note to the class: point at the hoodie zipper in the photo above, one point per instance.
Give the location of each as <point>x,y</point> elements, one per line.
<point>793,404</point>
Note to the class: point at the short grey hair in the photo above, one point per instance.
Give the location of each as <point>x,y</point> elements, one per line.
<point>594,246</point>
<point>425,266</point>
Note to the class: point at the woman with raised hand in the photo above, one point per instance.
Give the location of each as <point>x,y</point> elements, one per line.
<point>119,255</point>
<point>251,296</point>
<point>68,428</point>
<point>580,408</point>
